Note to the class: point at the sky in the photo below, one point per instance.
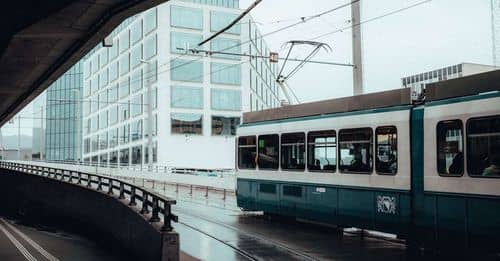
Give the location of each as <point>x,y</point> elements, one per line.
<point>435,34</point>
<point>429,36</point>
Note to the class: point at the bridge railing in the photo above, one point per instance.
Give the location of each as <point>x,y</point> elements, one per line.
<point>150,202</point>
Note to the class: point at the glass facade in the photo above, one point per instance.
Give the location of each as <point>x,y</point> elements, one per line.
<point>193,94</point>
<point>63,112</point>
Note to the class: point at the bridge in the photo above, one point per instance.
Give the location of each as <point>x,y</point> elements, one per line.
<point>38,43</point>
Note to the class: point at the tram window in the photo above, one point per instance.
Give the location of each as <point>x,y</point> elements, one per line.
<point>483,147</point>
<point>293,151</point>
<point>450,160</point>
<point>322,151</point>
<point>386,161</point>
<point>355,150</point>
<point>268,152</point>
<point>247,151</point>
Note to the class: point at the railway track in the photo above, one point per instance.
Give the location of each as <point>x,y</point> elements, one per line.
<point>260,247</point>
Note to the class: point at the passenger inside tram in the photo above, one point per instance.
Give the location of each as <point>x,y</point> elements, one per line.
<point>494,168</point>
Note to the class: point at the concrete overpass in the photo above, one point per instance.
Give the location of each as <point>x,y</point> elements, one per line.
<point>40,40</point>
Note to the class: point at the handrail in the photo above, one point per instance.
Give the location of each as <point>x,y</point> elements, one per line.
<point>142,167</point>
<point>151,201</point>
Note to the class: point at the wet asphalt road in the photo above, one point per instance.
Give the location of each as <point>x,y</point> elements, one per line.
<point>215,229</point>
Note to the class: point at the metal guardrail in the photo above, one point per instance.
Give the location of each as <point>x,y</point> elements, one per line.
<point>151,202</point>
<point>153,168</point>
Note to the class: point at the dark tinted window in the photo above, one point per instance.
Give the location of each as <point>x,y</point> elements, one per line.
<point>483,146</point>
<point>186,123</point>
<point>321,151</point>
<point>293,151</point>
<point>268,151</point>
<point>386,150</point>
<point>355,150</point>
<point>450,148</point>
<point>247,151</point>
<point>225,126</point>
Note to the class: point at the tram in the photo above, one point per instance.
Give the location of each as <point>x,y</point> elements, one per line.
<point>428,172</point>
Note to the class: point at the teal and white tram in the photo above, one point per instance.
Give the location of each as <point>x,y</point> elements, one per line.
<point>428,172</point>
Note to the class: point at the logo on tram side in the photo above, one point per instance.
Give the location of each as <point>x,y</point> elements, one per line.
<point>386,204</point>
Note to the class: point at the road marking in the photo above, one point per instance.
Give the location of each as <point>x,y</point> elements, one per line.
<point>17,244</point>
<point>31,242</point>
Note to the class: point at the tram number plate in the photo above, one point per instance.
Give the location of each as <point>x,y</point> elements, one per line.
<point>386,204</point>
<point>320,190</point>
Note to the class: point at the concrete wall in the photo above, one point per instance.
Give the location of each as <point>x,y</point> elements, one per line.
<point>40,198</point>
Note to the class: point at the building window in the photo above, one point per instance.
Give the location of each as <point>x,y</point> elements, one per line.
<point>150,21</point>
<point>113,50</point>
<point>103,141</point>
<point>94,143</point>
<point>225,73</point>
<point>124,64</point>
<point>136,105</point>
<point>113,158</point>
<point>450,161</point>
<point>225,45</point>
<point>386,161</point>
<point>136,81</point>
<point>125,87</point>
<point>136,56</point>
<point>124,134</point>
<point>86,145</point>
<point>113,71</point>
<point>94,123</point>
<point>124,157</point>
<point>113,94</point>
<point>113,115</point>
<point>136,32</point>
<point>186,70</point>
<point>151,73</point>
<point>124,41</point>
<point>103,99</point>
<point>224,126</point>
<point>219,20</point>
<point>103,79</point>
<point>247,152</point>
<point>185,17</point>
<point>103,120</point>
<point>355,150</point>
<point>185,123</point>
<point>113,138</point>
<point>229,100</point>
<point>137,155</point>
<point>322,151</point>
<point>124,111</point>
<point>268,157</point>
<point>136,130</point>
<point>103,57</point>
<point>150,47</point>
<point>483,146</point>
<point>186,97</point>
<point>293,151</point>
<point>180,41</point>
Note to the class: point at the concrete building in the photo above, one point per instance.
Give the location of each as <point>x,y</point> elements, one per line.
<point>197,97</point>
<point>63,116</point>
<point>418,81</point>
<point>39,124</point>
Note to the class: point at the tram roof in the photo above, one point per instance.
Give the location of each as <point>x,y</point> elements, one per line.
<point>354,103</point>
<point>464,86</point>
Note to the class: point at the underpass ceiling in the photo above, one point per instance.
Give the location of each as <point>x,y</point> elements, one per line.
<point>40,40</point>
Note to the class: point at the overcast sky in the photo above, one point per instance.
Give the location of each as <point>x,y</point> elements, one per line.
<point>432,35</point>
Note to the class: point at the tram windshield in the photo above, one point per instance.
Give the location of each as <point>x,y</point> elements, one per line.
<point>483,146</point>
<point>355,150</point>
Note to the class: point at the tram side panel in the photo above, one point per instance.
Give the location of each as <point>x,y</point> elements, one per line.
<point>371,201</point>
<point>461,210</point>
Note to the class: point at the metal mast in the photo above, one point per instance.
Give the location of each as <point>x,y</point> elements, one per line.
<point>356,48</point>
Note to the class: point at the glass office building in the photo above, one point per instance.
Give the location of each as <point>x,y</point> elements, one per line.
<point>197,98</point>
<point>63,116</point>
